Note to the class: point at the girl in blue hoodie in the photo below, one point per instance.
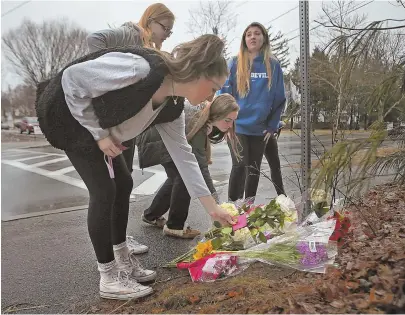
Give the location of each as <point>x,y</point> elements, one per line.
<point>256,82</point>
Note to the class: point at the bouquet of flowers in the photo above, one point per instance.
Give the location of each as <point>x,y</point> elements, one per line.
<point>255,224</point>
<point>335,213</point>
<point>306,249</point>
<point>267,233</point>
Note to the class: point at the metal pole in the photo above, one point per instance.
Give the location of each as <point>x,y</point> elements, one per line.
<point>305,108</point>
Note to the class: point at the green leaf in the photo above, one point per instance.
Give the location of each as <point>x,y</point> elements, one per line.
<point>259,222</point>
<point>227,230</point>
<point>270,221</point>
<point>262,238</point>
<point>216,243</point>
<point>217,224</point>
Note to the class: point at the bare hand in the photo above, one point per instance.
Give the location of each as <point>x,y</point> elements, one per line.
<point>108,146</point>
<point>267,136</point>
<point>222,216</point>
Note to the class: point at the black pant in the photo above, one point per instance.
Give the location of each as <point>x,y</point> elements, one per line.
<point>172,195</point>
<point>129,153</point>
<point>107,217</point>
<point>245,174</point>
<point>271,154</point>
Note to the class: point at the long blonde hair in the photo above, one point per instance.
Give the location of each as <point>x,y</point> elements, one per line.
<point>157,12</point>
<point>219,109</point>
<point>244,67</point>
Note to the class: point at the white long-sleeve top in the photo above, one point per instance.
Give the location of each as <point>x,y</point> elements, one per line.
<point>84,81</point>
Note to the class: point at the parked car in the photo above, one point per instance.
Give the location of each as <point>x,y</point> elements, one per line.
<point>5,126</point>
<point>28,123</point>
<point>17,123</point>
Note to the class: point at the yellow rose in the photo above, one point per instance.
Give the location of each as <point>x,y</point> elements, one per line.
<point>203,249</point>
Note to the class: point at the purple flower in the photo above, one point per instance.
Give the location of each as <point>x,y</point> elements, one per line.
<point>313,253</point>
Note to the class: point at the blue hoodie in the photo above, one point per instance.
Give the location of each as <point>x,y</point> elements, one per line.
<point>261,109</point>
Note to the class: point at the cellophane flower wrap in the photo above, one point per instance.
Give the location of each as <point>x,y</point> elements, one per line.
<point>269,233</point>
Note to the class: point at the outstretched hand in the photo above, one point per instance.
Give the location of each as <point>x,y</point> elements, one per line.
<point>222,216</point>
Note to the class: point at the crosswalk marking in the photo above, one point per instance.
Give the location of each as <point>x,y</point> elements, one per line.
<point>151,185</point>
<point>8,155</point>
<point>49,162</point>
<point>13,158</point>
<point>32,151</point>
<point>62,178</point>
<point>31,158</point>
<point>64,170</point>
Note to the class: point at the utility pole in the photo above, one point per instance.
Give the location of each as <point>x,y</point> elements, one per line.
<point>305,109</point>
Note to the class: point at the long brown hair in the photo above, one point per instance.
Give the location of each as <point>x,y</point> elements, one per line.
<point>202,56</point>
<point>219,109</point>
<point>157,12</point>
<point>244,67</point>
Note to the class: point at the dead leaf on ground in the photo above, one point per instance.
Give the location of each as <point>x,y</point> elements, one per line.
<point>194,299</point>
<point>308,308</point>
<point>338,304</point>
<point>387,297</point>
<point>361,303</point>
<point>352,285</point>
<point>234,293</point>
<point>360,274</point>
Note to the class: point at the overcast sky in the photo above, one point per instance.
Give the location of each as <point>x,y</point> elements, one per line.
<point>96,15</point>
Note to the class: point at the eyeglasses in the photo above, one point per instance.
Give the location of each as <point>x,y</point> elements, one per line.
<point>167,30</point>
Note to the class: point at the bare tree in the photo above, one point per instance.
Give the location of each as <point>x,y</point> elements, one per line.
<point>19,101</point>
<point>216,17</point>
<point>39,51</point>
<point>280,48</point>
<point>6,105</point>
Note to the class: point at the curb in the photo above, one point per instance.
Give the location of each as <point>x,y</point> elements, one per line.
<point>42,213</point>
<point>48,212</point>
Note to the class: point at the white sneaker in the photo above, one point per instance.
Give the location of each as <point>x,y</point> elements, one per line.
<point>120,285</point>
<point>135,246</point>
<point>133,265</point>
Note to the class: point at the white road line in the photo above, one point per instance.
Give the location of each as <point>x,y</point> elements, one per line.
<point>31,158</point>
<point>148,187</point>
<point>36,152</point>
<point>63,170</point>
<point>8,155</point>
<point>151,185</point>
<point>62,178</point>
<point>49,162</point>
<point>152,169</point>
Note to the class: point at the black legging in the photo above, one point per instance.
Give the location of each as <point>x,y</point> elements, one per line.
<point>173,195</point>
<point>245,174</point>
<point>107,217</point>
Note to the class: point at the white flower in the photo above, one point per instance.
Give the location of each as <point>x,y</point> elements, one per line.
<point>320,195</point>
<point>286,205</point>
<point>243,235</point>
<point>230,208</point>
